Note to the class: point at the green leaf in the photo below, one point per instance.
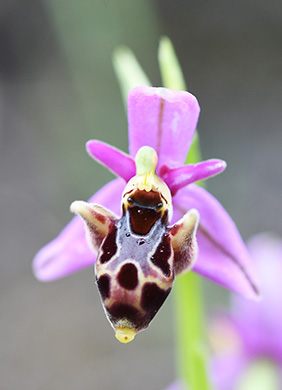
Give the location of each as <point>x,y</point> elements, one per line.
<point>128,71</point>
<point>171,72</point>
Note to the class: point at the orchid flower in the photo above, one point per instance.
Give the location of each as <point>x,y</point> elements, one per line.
<point>248,342</point>
<point>165,121</point>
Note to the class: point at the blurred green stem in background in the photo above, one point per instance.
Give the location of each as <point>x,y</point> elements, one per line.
<point>190,317</point>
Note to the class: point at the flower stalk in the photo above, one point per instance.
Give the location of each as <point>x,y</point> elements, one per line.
<point>192,358</point>
<point>188,296</point>
<point>191,353</point>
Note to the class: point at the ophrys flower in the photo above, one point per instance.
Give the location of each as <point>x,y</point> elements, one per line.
<point>164,120</point>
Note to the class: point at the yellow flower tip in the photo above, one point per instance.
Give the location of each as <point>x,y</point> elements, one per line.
<point>146,161</point>
<point>125,335</point>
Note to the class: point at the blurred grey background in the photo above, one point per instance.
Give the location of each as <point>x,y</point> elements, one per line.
<point>57,90</point>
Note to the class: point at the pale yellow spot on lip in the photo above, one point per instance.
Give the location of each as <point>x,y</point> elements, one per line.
<point>125,335</point>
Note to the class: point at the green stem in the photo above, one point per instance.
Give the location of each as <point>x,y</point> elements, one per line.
<point>190,319</point>
<point>192,356</point>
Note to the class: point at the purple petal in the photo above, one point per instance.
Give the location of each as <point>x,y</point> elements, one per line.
<point>178,178</point>
<point>262,323</point>
<point>120,163</point>
<point>223,256</point>
<point>163,119</point>
<point>69,252</point>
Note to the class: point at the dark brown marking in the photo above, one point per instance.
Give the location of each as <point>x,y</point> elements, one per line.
<point>109,246</point>
<point>142,219</point>
<point>165,218</point>
<point>128,276</point>
<point>174,229</point>
<point>148,199</point>
<point>162,254</point>
<point>120,311</point>
<point>144,208</point>
<point>164,199</point>
<point>128,192</point>
<point>153,297</point>
<point>103,284</point>
<point>141,241</point>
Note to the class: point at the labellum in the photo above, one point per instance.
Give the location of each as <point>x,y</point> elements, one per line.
<point>139,254</point>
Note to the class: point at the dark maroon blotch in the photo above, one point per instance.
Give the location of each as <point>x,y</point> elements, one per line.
<point>128,276</point>
<point>100,217</point>
<point>142,219</point>
<point>109,246</point>
<point>144,209</point>
<point>148,199</point>
<point>103,284</point>
<point>162,254</point>
<point>153,297</point>
<point>121,311</point>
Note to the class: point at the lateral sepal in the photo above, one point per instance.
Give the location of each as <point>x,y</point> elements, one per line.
<point>98,221</point>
